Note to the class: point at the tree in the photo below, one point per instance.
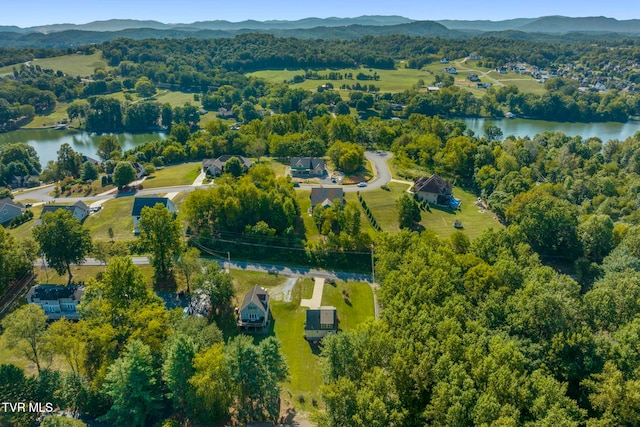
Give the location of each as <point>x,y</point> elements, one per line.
<point>342,108</point>
<point>123,174</point>
<point>212,385</point>
<point>216,284</point>
<point>25,329</point>
<point>63,240</point>
<point>408,212</point>
<point>178,369</point>
<point>58,421</point>
<point>161,235</point>
<point>131,384</point>
<point>13,260</point>
<point>596,236</point>
<point>89,172</point>
<point>63,338</point>
<point>347,156</point>
<point>69,162</point>
<point>189,263</point>
<point>145,88</point>
<point>234,167</point>
<point>107,145</point>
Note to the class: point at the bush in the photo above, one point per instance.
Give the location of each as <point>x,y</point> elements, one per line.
<point>385,187</point>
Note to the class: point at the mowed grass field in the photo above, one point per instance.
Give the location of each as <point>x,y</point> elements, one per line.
<point>390,80</point>
<point>182,174</point>
<point>82,273</point>
<point>115,214</point>
<point>383,207</point>
<point>73,65</point>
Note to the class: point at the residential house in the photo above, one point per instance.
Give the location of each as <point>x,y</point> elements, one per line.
<point>143,202</point>
<point>444,61</point>
<point>215,167</point>
<point>473,56</point>
<point>254,311</point>
<point>473,78</point>
<point>223,113</point>
<point>451,70</point>
<point>326,196</point>
<point>91,160</point>
<point>9,210</point>
<point>436,191</point>
<point>303,167</point>
<point>485,85</point>
<point>24,181</point>
<point>78,210</point>
<point>320,322</point>
<point>139,170</point>
<point>58,302</point>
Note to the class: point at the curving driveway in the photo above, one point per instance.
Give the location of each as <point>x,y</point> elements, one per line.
<point>381,174</point>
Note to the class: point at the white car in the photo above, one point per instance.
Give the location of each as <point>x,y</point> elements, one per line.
<point>362,184</point>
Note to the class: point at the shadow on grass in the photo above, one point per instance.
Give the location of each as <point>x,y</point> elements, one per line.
<point>316,349</point>
<point>444,209</point>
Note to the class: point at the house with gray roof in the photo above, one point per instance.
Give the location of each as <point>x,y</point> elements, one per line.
<point>326,196</point>
<point>9,210</point>
<point>215,167</point>
<point>305,167</point>
<point>436,191</point>
<point>253,314</point>
<point>140,203</point>
<point>57,301</point>
<point>320,322</point>
<point>78,210</point>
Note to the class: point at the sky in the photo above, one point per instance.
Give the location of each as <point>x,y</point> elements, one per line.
<point>26,13</point>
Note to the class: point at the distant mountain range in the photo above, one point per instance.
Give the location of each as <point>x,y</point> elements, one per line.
<point>543,28</point>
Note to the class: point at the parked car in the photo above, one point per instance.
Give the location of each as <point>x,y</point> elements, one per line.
<point>28,205</point>
<point>362,184</point>
<point>333,179</point>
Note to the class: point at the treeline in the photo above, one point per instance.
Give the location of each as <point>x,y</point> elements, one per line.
<point>480,333</point>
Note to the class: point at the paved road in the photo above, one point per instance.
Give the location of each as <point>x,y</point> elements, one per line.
<point>480,73</point>
<point>381,172</point>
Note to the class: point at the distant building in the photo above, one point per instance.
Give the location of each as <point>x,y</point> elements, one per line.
<point>254,311</point>
<point>58,302</point>
<point>451,70</point>
<point>9,210</point>
<point>215,167</point>
<point>304,167</point>
<point>78,210</point>
<point>473,78</point>
<point>326,196</point>
<point>474,56</point>
<point>320,322</point>
<point>142,202</point>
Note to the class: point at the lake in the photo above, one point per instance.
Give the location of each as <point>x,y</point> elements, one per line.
<point>48,141</point>
<point>527,127</point>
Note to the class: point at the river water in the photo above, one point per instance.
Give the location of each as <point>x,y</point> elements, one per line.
<point>48,141</point>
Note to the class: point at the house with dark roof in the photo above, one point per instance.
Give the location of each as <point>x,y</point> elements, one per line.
<point>254,311</point>
<point>9,210</point>
<point>326,196</point>
<point>435,190</point>
<point>143,202</point>
<point>215,167</point>
<point>304,167</point>
<point>78,210</point>
<point>58,302</point>
<point>320,322</point>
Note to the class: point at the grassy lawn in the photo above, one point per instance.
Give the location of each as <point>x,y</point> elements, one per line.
<point>175,98</point>
<point>115,214</point>
<point>358,310</point>
<point>311,232</point>
<point>56,116</point>
<point>24,230</point>
<point>278,165</point>
<point>365,225</point>
<point>383,205</point>
<point>182,174</point>
<point>474,222</point>
<point>243,281</point>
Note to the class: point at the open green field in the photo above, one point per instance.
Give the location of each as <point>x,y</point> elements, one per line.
<point>182,174</point>
<point>383,206</point>
<point>390,80</point>
<point>115,214</point>
<point>312,234</point>
<point>175,98</point>
<point>74,65</point>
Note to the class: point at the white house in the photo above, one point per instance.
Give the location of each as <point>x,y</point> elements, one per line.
<point>58,302</point>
